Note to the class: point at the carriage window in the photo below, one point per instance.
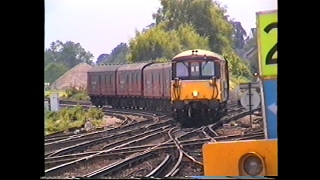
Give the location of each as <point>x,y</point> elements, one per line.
<point>132,79</point>
<point>94,79</point>
<point>136,78</point>
<point>152,78</point>
<point>207,68</point>
<point>195,70</point>
<point>182,69</point>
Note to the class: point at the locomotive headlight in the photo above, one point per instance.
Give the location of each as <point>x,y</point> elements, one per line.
<point>195,93</point>
<point>252,165</point>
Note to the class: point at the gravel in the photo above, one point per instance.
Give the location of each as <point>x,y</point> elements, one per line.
<point>241,126</point>
<point>142,168</point>
<point>88,166</point>
<point>190,169</point>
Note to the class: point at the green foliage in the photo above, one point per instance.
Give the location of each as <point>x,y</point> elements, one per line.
<point>95,113</point>
<point>62,94</point>
<point>118,54</point>
<point>208,18</point>
<point>237,66</point>
<point>72,90</point>
<point>61,57</point>
<point>157,43</point>
<point>190,24</point>
<point>69,54</point>
<point>82,96</point>
<point>77,93</point>
<point>53,71</point>
<point>70,117</point>
<point>235,81</point>
<point>238,35</point>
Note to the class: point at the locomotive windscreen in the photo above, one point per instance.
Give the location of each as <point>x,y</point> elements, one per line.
<point>195,70</point>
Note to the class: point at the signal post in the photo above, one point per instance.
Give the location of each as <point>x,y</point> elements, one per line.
<point>253,157</point>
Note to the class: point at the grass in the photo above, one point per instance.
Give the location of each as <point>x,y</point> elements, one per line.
<point>75,117</point>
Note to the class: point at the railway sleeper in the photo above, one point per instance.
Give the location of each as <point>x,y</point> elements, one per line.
<point>111,169</point>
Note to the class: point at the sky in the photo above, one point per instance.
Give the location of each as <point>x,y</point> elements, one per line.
<point>100,25</point>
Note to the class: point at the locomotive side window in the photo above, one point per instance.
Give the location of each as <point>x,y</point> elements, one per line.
<point>207,68</point>
<point>182,69</point>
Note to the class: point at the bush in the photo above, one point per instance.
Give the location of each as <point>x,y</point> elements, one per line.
<point>49,92</point>
<point>67,118</point>
<point>235,81</point>
<point>72,90</point>
<point>80,96</point>
<point>73,93</point>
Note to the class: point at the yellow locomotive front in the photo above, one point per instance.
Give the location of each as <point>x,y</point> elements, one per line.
<point>200,86</point>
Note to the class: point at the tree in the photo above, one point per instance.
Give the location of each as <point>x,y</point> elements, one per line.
<point>118,54</point>
<point>68,54</point>
<point>53,71</point>
<point>102,58</point>
<point>158,43</point>
<point>206,16</point>
<point>238,34</point>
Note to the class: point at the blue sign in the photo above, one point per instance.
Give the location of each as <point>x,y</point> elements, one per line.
<point>271,106</point>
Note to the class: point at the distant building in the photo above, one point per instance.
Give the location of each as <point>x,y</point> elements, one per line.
<point>253,33</point>
<point>249,53</point>
<point>75,77</point>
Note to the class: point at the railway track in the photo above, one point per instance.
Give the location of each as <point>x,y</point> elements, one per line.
<point>152,147</point>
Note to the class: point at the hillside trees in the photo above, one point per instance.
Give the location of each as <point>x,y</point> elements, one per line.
<point>189,24</point>
<point>157,43</point>
<point>118,54</point>
<point>60,57</point>
<point>53,71</point>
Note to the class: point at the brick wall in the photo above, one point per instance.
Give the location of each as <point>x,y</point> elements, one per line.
<point>77,76</point>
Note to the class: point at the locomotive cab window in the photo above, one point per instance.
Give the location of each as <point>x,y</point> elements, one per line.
<point>208,68</point>
<point>195,70</point>
<point>182,69</point>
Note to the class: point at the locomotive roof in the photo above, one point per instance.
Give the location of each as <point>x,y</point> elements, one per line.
<point>196,54</point>
<point>104,68</point>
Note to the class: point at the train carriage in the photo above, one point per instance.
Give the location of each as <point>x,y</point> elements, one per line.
<point>130,85</point>
<point>101,84</point>
<point>156,89</point>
